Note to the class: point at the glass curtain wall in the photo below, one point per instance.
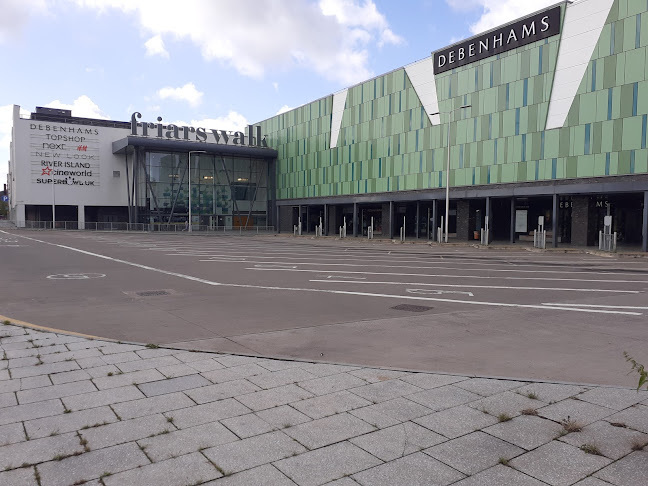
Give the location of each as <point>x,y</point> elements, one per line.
<point>225,191</point>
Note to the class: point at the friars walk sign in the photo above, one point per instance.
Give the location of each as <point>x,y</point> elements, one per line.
<point>253,138</point>
<point>531,29</point>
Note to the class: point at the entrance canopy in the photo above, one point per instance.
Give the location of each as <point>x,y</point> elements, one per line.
<point>121,147</point>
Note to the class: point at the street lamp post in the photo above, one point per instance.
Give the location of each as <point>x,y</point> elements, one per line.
<point>447,206</point>
<point>189,183</point>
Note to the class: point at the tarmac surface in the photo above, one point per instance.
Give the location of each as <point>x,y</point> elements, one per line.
<point>78,411</point>
<point>499,313</point>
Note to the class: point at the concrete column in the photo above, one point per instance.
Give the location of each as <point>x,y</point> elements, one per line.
<point>19,215</point>
<point>435,217</point>
<point>512,220</point>
<point>418,218</point>
<point>81,216</point>
<point>644,244</point>
<point>391,220</point>
<point>326,229</point>
<point>305,223</point>
<point>463,220</point>
<point>554,222</point>
<point>355,219</point>
<point>580,221</point>
<point>277,223</point>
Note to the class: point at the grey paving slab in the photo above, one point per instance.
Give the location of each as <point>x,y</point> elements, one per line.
<point>323,369</point>
<point>386,390</point>
<point>283,417</point>
<point>613,442</point>
<point>11,433</point>
<point>526,431</point>
<point>19,477</point>
<point>175,371</point>
<point>325,405</point>
<point>86,363</point>
<point>487,387</point>
<point>21,362</point>
<point>206,365</point>
<point>155,353</point>
<point>327,464</point>
<point>634,417</point>
<point>329,430</point>
<point>233,360</point>
<point>473,452</point>
<point>398,441</point>
<point>22,353</point>
<point>38,450</point>
<point>209,412</point>
<point>234,373</point>
<point>332,383</point>
<point>119,358</point>
<point>83,353</point>
<point>375,375</point>
<point>559,464</point>
<point>44,369</point>
<point>414,470</point>
<point>35,382</point>
<point>9,386</point>
<point>267,475</point>
<point>30,411</point>
<point>443,397</point>
<point>221,391</point>
<point>615,398</point>
<point>102,370</point>
<point>457,421</point>
<point>185,441</point>
<point>55,391</point>
<point>256,451</point>
<point>103,397</point>
<point>189,356</point>
<point>499,476</point>
<point>125,431</point>
<point>632,470</point>
<point>181,471</point>
<point>399,409</point>
<point>592,481</point>
<point>70,376</point>
<point>273,398</point>
<point>343,482</point>
<point>582,412</point>
<point>110,348</point>
<point>8,399</point>
<point>247,425</point>
<point>153,405</point>
<point>428,381</point>
<point>92,465</point>
<point>134,378</point>
<point>147,364</point>
<point>4,375</point>
<point>68,422</point>
<point>171,385</point>
<point>279,378</point>
<point>279,364</point>
<point>508,403</point>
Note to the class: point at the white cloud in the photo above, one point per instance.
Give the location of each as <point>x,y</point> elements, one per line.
<point>233,121</point>
<point>276,86</point>
<point>498,12</point>
<point>155,47</point>
<point>330,37</point>
<point>187,93</point>
<point>16,13</point>
<point>284,109</point>
<point>83,107</point>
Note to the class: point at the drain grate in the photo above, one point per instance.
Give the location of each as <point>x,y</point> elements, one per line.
<point>152,293</point>
<point>412,308</point>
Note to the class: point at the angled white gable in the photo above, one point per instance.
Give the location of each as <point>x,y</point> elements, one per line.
<point>339,102</point>
<point>421,75</point>
<point>581,31</point>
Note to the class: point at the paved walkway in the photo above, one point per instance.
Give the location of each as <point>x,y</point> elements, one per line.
<point>78,411</point>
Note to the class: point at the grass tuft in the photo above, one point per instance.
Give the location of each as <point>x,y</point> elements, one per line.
<point>503,461</point>
<point>570,426</point>
<point>590,449</point>
<point>152,346</point>
<point>504,417</point>
<point>529,411</point>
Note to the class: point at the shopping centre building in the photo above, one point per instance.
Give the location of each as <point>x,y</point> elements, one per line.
<point>545,117</point>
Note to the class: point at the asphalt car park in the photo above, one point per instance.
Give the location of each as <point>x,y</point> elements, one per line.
<point>536,315</point>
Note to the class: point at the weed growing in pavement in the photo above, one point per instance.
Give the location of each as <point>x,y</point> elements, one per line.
<point>6,322</point>
<point>529,411</point>
<point>110,373</point>
<point>152,346</point>
<point>170,419</point>
<point>504,417</point>
<point>591,449</point>
<point>503,461</point>
<point>532,395</point>
<point>638,444</point>
<point>105,475</point>
<point>618,424</point>
<point>570,425</point>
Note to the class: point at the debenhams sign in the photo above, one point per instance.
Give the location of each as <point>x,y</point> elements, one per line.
<point>521,33</point>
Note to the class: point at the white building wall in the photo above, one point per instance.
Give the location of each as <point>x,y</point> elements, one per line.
<point>78,158</point>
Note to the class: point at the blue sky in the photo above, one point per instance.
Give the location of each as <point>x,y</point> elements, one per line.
<point>214,63</point>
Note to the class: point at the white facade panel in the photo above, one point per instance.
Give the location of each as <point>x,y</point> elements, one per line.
<point>582,28</point>
<point>339,102</point>
<point>421,75</point>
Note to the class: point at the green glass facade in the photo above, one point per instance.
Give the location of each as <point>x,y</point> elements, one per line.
<point>387,143</point>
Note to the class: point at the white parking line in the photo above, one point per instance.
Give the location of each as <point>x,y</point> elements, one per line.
<point>598,306</point>
<point>339,292</point>
<point>475,286</point>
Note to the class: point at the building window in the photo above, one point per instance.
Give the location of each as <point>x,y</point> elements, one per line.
<point>607,163</point>
<point>588,131</point>
<point>116,173</point>
<point>594,75</point>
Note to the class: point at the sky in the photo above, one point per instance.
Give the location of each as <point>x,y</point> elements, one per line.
<point>216,63</point>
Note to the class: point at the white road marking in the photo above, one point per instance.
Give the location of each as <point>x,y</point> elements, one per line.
<point>338,276</point>
<point>271,266</point>
<point>76,276</point>
<point>481,286</point>
<point>438,292</point>
<point>456,276</point>
<point>598,306</point>
<point>339,292</point>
